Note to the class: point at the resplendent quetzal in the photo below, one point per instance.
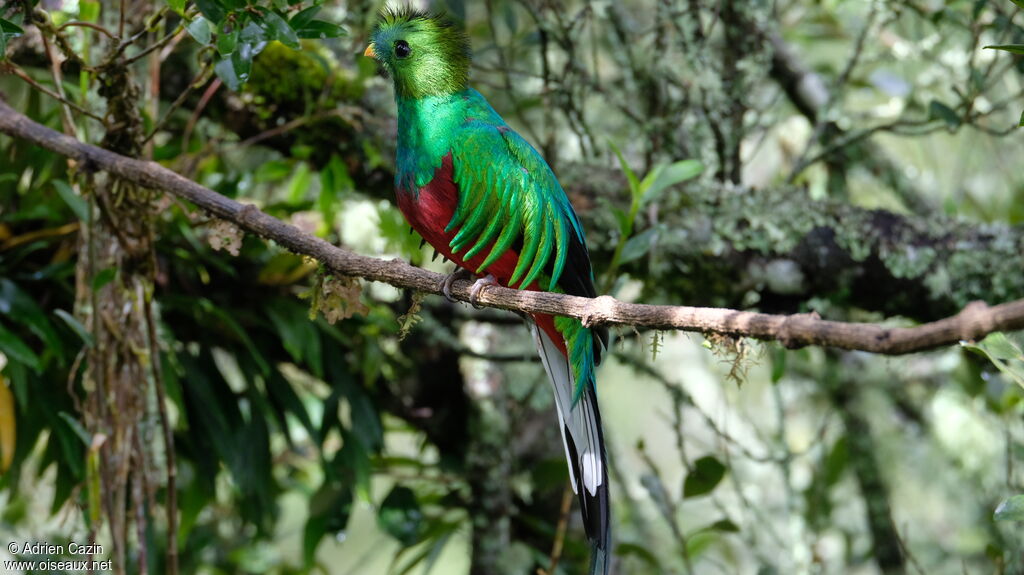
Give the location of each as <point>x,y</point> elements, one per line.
<point>483,197</point>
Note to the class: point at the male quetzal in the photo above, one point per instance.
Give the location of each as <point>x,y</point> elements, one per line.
<point>482,196</point>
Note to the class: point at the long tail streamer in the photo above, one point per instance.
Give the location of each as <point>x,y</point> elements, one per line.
<point>584,448</point>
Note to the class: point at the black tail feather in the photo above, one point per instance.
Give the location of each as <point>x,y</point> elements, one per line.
<point>595,507</point>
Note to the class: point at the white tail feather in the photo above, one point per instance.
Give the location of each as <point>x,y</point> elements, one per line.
<point>584,450</point>
<point>578,420</point>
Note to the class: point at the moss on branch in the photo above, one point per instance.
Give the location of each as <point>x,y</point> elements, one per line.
<point>778,249</point>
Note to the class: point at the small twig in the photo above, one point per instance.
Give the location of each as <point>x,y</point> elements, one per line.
<point>858,50</point>
<point>171,503</point>
<point>14,69</point>
<point>96,27</point>
<point>156,45</point>
<point>150,24</point>
<point>677,391</point>
<point>32,236</point>
<point>194,118</point>
<point>200,79</point>
<point>152,103</point>
<point>42,21</point>
<point>668,508</point>
<point>291,125</point>
<point>851,139</point>
<point>138,504</point>
<point>58,82</point>
<point>907,552</point>
<point>169,48</point>
<point>563,524</point>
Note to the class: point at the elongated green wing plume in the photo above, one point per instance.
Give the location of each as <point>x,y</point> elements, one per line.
<point>509,194</point>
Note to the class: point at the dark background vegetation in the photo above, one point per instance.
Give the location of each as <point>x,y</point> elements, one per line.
<point>857,159</point>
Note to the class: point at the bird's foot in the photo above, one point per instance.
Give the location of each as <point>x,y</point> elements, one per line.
<point>446,283</point>
<point>479,286</point>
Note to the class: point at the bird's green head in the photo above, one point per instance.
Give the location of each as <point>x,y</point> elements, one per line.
<point>425,54</point>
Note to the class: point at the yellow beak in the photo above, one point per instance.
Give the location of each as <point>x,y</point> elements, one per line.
<point>370,52</point>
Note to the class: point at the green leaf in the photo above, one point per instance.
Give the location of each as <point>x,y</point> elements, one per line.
<point>437,535</point>
<point>400,515</point>
<point>284,399</point>
<point>298,186</point>
<point>89,11</point>
<point>227,40</point>
<point>1011,509</point>
<point>700,542</point>
<point>329,510</point>
<point>994,553</point>
<point>634,182</point>
<point>334,179</point>
<point>177,5</point>
<point>1004,353</point>
<point>319,29</point>
<point>212,9</point>
<point>638,246</point>
<point>939,111</point>
<point>279,30</point>
<point>836,462</point>
<point>354,459</point>
<point>252,40</point>
<point>779,356</point>
<point>103,277</point>
<point>999,346</point>
<point>225,70</point>
<point>304,17</point>
<point>724,526</point>
<point>1011,48</point>
<point>77,427</point>
<point>623,219</point>
<point>76,326</point>
<point>242,46</point>
<point>394,229</point>
<point>22,308</point>
<point>671,175</point>
<point>298,334</point>
<point>199,29</point>
<point>272,171</point>
<point>242,335</point>
<point>16,349</point>
<point>706,474</point>
<point>640,552</point>
<point>10,28</point>
<point>8,31</point>
<point>1021,119</point>
<point>73,200</point>
<point>648,180</point>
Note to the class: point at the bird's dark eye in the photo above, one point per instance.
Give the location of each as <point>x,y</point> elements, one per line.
<point>402,49</point>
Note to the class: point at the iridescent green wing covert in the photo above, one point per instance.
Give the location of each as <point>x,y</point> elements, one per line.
<point>509,197</point>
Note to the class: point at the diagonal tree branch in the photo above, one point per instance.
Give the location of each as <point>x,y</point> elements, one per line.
<point>807,91</point>
<point>972,323</point>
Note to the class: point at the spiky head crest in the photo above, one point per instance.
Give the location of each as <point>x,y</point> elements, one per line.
<point>425,54</point>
